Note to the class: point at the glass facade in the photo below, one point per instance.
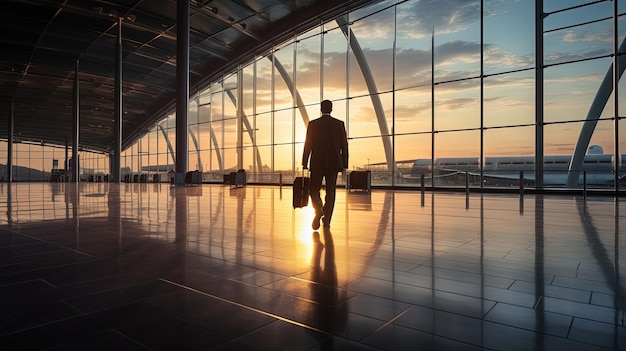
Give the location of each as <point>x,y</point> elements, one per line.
<point>449,94</point>
<point>37,162</point>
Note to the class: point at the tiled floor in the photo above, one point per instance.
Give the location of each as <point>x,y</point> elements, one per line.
<point>144,266</point>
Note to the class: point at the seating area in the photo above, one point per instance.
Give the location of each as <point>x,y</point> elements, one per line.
<point>150,266</point>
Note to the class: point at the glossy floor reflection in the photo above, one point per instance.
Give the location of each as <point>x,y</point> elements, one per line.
<point>148,266</point>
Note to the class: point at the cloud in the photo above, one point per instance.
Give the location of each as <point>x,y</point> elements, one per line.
<point>457,51</point>
<point>379,25</point>
<point>577,45</point>
<point>446,16</point>
<point>405,112</point>
<point>570,80</point>
<point>494,57</point>
<point>604,36</point>
<point>455,104</point>
<point>557,57</point>
<point>418,19</point>
<point>455,61</point>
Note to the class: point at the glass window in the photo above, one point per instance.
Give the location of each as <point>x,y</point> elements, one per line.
<point>413,47</point>
<point>283,158</point>
<point>283,73</point>
<point>364,120</point>
<point>171,137</point>
<point>375,37</point>
<point>263,85</point>
<point>509,99</point>
<point>569,13</point>
<point>570,89</point>
<point>395,73</point>
<point>413,157</point>
<point>507,152</point>
<point>248,89</point>
<point>365,153</point>
<point>264,129</point>
<point>193,148</point>
<point>509,41</point>
<point>308,67</point>
<point>412,112</point>
<point>578,43</point>
<point>457,40</point>
<point>265,153</point>
<point>457,105</point>
<point>456,153</point>
<point>334,69</point>
<point>283,127</point>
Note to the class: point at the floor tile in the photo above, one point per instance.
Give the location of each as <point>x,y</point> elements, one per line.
<point>280,335</point>
<point>610,336</point>
<point>158,267</point>
<point>80,333</point>
<point>31,304</point>
<point>530,319</point>
<point>158,331</point>
<point>124,295</point>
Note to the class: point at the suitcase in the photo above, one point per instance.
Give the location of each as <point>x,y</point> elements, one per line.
<point>301,192</point>
<point>237,179</point>
<point>361,180</point>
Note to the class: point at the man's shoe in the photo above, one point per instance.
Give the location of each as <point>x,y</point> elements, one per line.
<point>326,224</point>
<point>316,222</point>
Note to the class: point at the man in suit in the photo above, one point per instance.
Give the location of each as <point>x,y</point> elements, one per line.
<point>327,145</point>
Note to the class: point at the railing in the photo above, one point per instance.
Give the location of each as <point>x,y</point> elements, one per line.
<point>453,179</point>
<point>442,178</point>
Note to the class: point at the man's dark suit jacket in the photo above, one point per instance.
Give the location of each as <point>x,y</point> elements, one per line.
<point>326,143</point>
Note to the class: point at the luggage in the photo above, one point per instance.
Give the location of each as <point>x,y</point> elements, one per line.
<point>301,191</point>
<point>361,180</point>
<point>237,179</point>
<point>193,177</point>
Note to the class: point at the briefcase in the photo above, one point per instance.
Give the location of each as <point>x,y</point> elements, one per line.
<point>301,191</point>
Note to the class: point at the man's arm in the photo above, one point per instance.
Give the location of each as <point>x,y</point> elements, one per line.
<point>307,149</point>
<point>344,147</point>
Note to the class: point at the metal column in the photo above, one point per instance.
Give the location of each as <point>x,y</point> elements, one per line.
<point>117,152</point>
<point>616,98</point>
<point>75,126</point>
<point>539,94</point>
<point>9,168</point>
<point>240,118</point>
<point>182,88</point>
<point>66,165</point>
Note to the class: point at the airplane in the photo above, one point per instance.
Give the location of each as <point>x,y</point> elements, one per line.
<point>597,170</point>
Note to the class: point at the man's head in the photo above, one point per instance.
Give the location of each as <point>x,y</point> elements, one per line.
<point>327,106</point>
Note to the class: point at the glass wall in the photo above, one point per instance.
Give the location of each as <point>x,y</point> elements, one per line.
<point>445,93</point>
<point>41,162</point>
<point>442,93</point>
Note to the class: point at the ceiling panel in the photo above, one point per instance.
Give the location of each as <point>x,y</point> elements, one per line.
<point>42,40</point>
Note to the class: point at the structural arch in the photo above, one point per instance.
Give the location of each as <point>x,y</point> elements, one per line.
<point>591,121</point>
<point>373,90</point>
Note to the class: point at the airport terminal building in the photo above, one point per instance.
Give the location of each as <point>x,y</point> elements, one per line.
<point>148,148</point>
<point>416,84</point>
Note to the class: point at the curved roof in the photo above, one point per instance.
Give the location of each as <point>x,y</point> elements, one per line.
<point>42,39</point>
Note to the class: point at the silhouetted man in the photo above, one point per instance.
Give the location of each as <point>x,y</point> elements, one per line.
<point>327,145</point>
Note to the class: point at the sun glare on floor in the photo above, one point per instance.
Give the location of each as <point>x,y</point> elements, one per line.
<point>303,231</point>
